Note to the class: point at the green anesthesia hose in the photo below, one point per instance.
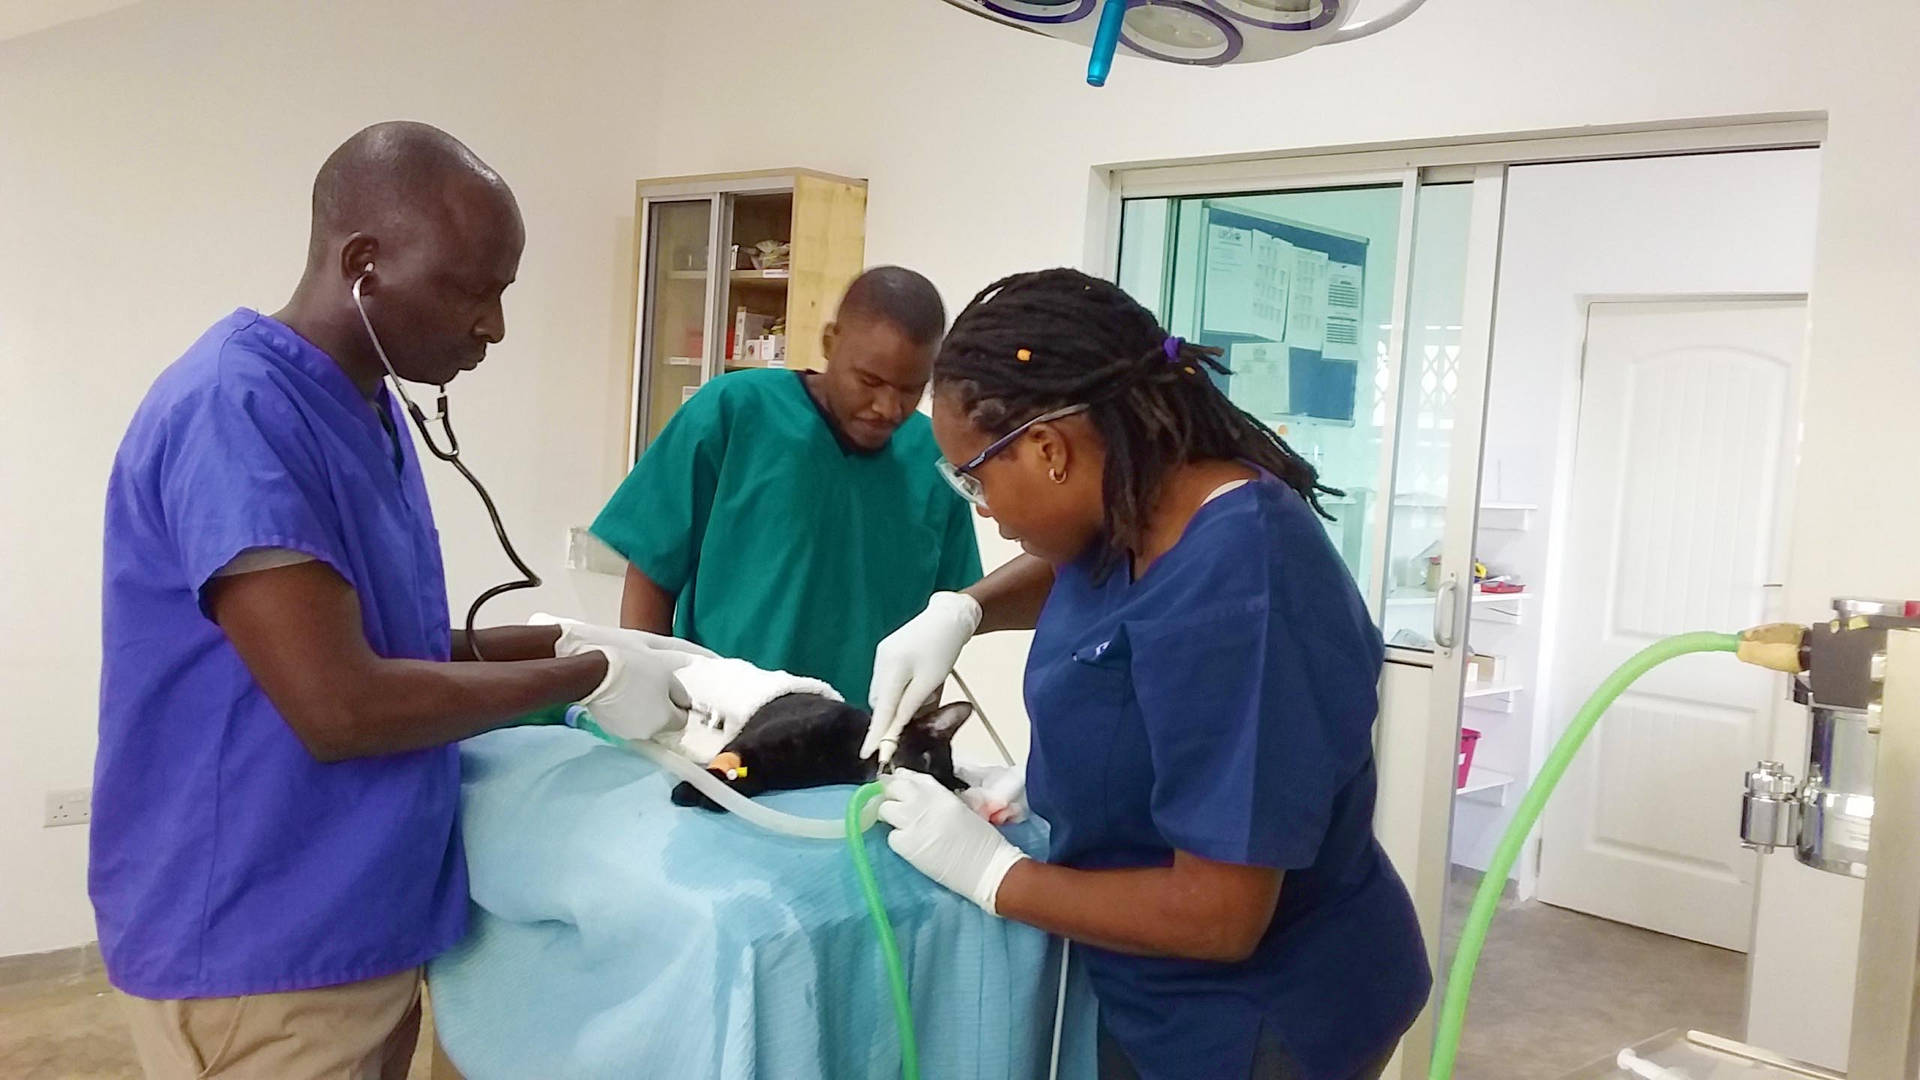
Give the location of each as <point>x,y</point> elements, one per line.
<point>1453,1007</point>
<point>883,929</point>
<point>1486,900</point>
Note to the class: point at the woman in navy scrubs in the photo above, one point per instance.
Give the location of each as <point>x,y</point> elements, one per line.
<point>1202,688</point>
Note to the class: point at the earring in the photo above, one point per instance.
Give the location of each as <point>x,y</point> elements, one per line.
<point>1056,476</point>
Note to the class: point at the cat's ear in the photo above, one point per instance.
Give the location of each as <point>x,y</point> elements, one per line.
<point>942,722</point>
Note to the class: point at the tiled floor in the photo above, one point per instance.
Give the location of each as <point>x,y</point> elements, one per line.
<point>63,1029</point>
<point>1555,990</point>
<point>69,1028</point>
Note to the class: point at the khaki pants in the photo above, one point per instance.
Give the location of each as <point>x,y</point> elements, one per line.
<point>359,1031</point>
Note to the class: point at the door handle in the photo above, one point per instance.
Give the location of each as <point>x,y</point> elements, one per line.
<point>1444,602</point>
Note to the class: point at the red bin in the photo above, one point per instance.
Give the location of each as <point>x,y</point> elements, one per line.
<point>1468,737</point>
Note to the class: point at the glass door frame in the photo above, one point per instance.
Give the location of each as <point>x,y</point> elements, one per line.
<point>645,308</point>
<point>1417,735</point>
<point>719,193</point>
<point>1418,731</point>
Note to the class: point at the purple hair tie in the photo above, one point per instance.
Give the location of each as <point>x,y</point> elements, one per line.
<point>1172,348</point>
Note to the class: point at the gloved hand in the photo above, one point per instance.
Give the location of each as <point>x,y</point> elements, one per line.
<point>640,698</point>
<point>995,792</point>
<point>934,830</point>
<point>577,637</point>
<point>912,662</point>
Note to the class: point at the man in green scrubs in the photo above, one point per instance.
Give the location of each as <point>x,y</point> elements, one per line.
<point>793,519</point>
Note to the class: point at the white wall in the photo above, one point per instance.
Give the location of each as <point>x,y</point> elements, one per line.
<point>18,17</point>
<point>152,164</point>
<point>1723,223</point>
<point>154,170</point>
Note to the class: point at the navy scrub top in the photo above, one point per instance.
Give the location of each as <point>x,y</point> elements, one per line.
<point>1223,705</point>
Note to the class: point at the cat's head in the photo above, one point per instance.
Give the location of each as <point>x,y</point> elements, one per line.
<point>926,744</point>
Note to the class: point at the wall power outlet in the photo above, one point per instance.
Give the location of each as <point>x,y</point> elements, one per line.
<point>73,806</point>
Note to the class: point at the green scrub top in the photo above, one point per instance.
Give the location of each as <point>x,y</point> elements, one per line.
<point>785,545</point>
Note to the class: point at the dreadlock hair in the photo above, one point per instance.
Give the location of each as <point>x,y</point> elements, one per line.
<point>1044,340</point>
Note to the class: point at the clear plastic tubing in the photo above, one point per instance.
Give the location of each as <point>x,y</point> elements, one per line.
<point>810,828</point>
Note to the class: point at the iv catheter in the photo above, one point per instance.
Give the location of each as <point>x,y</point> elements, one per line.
<point>451,455</point>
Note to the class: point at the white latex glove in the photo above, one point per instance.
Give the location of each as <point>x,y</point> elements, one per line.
<point>577,637</point>
<point>640,698</point>
<point>995,792</point>
<point>934,830</point>
<point>913,662</point>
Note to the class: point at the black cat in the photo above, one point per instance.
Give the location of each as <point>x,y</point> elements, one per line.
<point>805,740</point>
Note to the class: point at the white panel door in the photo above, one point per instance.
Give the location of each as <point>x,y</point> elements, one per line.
<point>1684,458</point>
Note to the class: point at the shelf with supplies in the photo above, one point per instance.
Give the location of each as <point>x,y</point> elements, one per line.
<point>736,270</point>
<point>765,279</point>
<point>1485,785</point>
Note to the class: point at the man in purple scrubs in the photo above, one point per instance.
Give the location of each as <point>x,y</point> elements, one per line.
<point>274,844</point>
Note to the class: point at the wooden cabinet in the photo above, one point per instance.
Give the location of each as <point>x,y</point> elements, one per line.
<point>736,271</point>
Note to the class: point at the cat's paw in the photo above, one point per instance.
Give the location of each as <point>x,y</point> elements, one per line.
<point>996,811</point>
<point>685,794</point>
<point>995,792</point>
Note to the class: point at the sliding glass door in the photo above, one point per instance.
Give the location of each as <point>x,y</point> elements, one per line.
<point>1354,316</point>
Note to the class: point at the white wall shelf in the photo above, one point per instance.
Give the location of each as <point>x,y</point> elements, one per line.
<point>1508,608</point>
<point>1488,786</point>
<point>1500,697</point>
<point>1480,599</point>
<point>1509,516</point>
<point>1491,689</point>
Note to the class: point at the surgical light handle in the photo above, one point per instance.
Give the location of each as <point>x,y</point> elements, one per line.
<point>1106,41</point>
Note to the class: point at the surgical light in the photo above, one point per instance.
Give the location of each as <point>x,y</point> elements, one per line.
<point>1205,33</point>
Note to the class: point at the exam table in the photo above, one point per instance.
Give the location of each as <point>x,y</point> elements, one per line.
<point>614,934</point>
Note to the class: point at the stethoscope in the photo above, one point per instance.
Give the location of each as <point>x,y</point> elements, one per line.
<point>451,455</point>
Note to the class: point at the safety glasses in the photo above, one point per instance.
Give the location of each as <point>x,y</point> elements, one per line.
<point>961,476</point>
